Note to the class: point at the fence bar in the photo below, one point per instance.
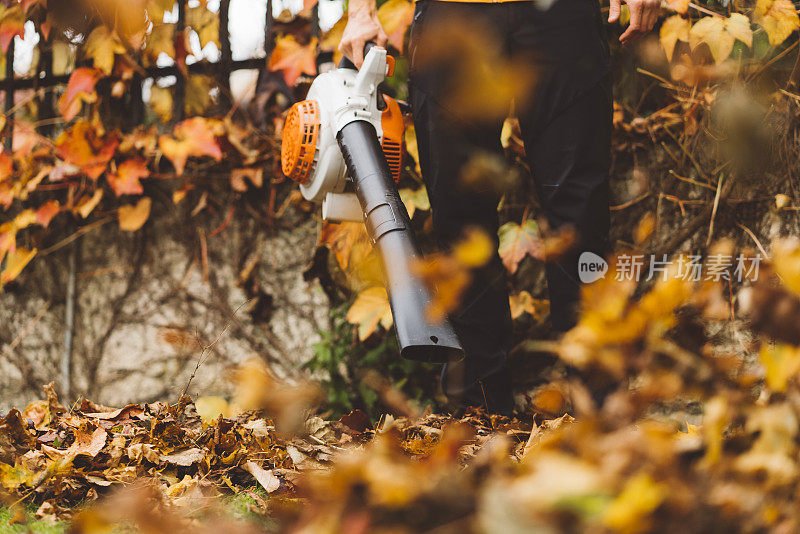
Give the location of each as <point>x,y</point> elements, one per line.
<point>46,109</point>
<point>269,35</point>
<point>179,96</point>
<point>226,55</point>
<point>9,99</point>
<point>151,72</point>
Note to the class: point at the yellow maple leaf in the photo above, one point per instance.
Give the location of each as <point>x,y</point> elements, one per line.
<point>629,512</point>
<point>370,308</point>
<point>786,261</point>
<point>210,408</point>
<point>160,41</point>
<point>781,363</point>
<point>778,18</point>
<point>102,45</point>
<point>411,147</point>
<point>133,217</point>
<point>674,29</point>
<point>205,23</point>
<point>474,250</point>
<point>520,303</point>
<point>719,34</point>
<point>198,94</point>
<point>518,241</point>
<point>157,8</point>
<point>161,102</point>
<point>415,200</point>
<point>681,6</point>
<point>16,260</point>
<point>395,17</point>
<point>330,40</point>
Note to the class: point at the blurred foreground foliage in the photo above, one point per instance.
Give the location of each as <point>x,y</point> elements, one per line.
<point>686,436</point>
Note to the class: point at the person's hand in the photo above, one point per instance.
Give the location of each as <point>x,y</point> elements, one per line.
<point>362,27</point>
<point>644,15</point>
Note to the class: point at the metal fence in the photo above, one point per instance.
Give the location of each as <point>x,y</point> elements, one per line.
<point>44,78</point>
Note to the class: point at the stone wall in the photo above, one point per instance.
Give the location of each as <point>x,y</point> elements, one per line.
<point>150,307</point>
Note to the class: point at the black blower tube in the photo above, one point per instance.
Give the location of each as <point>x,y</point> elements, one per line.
<point>389,228</point>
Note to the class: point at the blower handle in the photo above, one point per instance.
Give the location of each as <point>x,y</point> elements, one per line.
<point>347,64</point>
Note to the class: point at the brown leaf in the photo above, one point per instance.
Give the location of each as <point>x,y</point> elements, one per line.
<point>266,478</point>
<point>185,457</point>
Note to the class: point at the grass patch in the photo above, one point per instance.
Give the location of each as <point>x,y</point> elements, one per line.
<point>31,524</point>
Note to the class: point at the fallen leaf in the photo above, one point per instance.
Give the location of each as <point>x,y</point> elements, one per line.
<point>781,364</point>
<point>266,478</point>
<point>629,512</point>
<point>210,408</point>
<point>184,458</point>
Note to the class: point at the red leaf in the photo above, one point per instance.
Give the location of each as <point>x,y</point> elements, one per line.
<point>79,89</point>
<point>126,179</point>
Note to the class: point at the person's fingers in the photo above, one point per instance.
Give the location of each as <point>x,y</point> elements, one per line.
<point>635,26</point>
<point>381,39</point>
<point>613,11</point>
<point>358,52</point>
<point>652,12</point>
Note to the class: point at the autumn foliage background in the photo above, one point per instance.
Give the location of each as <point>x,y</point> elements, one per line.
<point>137,191</point>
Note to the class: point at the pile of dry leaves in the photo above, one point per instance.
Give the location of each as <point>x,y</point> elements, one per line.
<point>667,430</point>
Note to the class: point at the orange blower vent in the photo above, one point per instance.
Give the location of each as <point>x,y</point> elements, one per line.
<point>299,144</point>
<point>393,130</point>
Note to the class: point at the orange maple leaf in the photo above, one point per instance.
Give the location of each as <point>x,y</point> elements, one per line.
<point>80,89</point>
<point>293,58</point>
<point>193,137</point>
<point>126,180</point>
<point>6,166</point>
<point>46,212</point>
<point>84,147</point>
<point>518,241</point>
<point>12,24</point>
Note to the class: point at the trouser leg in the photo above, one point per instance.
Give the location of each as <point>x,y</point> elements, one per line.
<point>566,127</point>
<point>447,144</point>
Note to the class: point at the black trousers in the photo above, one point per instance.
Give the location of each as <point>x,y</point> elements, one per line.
<point>565,119</point>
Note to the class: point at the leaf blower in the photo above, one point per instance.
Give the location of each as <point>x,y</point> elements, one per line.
<point>343,145</point>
